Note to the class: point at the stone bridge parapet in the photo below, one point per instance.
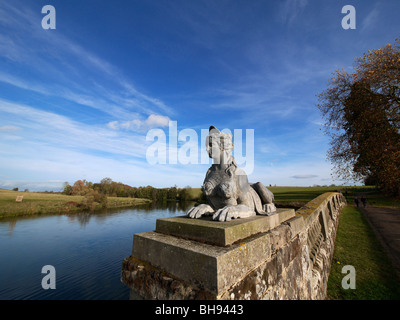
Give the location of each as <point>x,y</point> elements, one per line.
<point>283,256</point>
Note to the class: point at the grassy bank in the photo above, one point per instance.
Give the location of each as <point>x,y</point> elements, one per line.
<point>50,203</point>
<point>357,245</point>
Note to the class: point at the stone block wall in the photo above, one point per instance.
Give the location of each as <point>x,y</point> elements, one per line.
<point>293,262</point>
<point>321,217</point>
<point>302,250</point>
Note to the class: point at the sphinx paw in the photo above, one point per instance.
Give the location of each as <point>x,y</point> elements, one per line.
<point>226,214</point>
<point>199,211</point>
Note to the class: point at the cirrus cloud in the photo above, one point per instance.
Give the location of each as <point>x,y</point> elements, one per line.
<point>153,121</point>
<point>9,128</point>
<point>304,176</point>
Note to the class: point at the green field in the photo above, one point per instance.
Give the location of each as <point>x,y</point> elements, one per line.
<point>194,193</point>
<point>309,193</point>
<point>53,203</point>
<point>299,196</point>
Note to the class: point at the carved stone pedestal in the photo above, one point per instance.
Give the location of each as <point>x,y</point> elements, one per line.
<point>203,259</point>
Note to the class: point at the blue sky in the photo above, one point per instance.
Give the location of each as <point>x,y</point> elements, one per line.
<point>77,102</point>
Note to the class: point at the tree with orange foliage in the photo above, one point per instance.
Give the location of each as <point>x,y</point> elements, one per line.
<point>362,117</point>
<point>81,187</point>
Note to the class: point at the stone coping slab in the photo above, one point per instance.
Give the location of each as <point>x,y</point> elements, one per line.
<point>218,233</point>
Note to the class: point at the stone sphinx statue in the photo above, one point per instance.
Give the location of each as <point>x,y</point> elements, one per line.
<point>226,187</point>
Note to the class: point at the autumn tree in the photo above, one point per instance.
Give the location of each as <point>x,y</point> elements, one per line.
<point>67,188</point>
<point>172,193</point>
<point>81,187</point>
<point>362,118</point>
<point>78,187</point>
<point>184,194</point>
<point>106,186</point>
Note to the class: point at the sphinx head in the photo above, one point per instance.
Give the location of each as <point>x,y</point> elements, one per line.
<point>219,145</point>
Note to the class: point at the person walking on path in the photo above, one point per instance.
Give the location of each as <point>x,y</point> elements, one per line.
<point>364,201</point>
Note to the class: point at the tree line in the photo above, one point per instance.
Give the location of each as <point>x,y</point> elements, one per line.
<point>107,187</point>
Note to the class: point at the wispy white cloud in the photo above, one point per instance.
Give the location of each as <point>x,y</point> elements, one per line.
<point>9,128</point>
<point>82,71</point>
<point>304,176</point>
<point>153,121</point>
<point>370,21</point>
<point>297,172</point>
<point>59,164</point>
<point>32,185</point>
<point>291,9</point>
<point>45,127</point>
<point>23,84</point>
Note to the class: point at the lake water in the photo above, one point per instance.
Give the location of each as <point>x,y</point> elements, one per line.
<point>85,249</point>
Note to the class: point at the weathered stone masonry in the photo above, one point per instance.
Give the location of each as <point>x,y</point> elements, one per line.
<point>284,256</point>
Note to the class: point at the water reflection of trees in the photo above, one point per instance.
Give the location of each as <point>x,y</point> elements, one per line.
<point>172,207</point>
<point>83,218</point>
<point>11,227</point>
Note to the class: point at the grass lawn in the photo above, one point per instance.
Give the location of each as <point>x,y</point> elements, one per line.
<point>357,245</point>
<point>194,193</point>
<point>301,194</point>
<point>50,203</point>
<point>305,194</point>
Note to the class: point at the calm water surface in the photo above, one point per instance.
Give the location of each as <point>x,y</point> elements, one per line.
<point>86,250</point>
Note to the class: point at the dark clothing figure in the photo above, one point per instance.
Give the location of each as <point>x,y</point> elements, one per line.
<point>356,201</point>
<point>364,201</point>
